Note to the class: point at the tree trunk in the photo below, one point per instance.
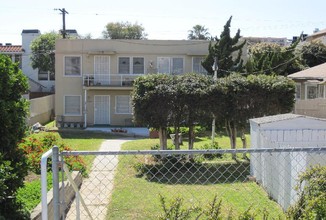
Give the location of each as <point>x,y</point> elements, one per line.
<point>176,138</point>
<point>191,137</point>
<point>244,142</point>
<point>232,133</point>
<point>163,138</point>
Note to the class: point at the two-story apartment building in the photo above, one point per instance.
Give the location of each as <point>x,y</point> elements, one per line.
<point>94,77</point>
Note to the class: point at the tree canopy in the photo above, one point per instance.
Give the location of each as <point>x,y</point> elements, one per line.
<point>13,113</point>
<point>162,100</point>
<point>273,59</point>
<point>198,32</point>
<point>43,47</point>
<point>225,48</point>
<point>124,30</point>
<point>313,53</point>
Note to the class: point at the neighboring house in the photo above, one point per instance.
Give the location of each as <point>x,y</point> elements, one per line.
<point>15,52</point>
<point>282,41</point>
<point>39,80</point>
<point>94,77</point>
<point>317,36</point>
<point>310,91</point>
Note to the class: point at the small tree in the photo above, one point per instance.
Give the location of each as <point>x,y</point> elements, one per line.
<point>13,110</point>
<point>224,48</point>
<point>124,30</point>
<point>43,52</point>
<point>198,32</point>
<point>273,59</point>
<point>152,101</point>
<point>313,53</point>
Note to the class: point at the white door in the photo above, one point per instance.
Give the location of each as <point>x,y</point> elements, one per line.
<point>102,109</point>
<point>101,70</point>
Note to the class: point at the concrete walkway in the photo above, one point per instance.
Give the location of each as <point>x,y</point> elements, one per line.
<point>96,190</point>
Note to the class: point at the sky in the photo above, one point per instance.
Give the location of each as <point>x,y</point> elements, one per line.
<point>167,20</point>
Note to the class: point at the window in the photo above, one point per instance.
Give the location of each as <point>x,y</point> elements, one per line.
<point>136,67</point>
<point>196,65</point>
<point>311,91</point>
<point>297,91</point>
<point>177,66</point>
<point>124,65</point>
<point>320,91</point>
<point>72,66</point>
<point>45,75</point>
<point>170,65</point>
<point>72,105</point>
<point>122,104</point>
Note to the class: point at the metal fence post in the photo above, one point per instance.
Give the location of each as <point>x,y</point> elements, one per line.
<point>55,174</point>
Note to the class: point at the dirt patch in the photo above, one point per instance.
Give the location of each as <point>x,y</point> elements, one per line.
<point>31,177</point>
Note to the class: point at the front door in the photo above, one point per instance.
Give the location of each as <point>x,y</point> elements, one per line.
<point>102,109</point>
<point>101,70</point>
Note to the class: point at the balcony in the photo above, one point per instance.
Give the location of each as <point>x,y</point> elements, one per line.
<point>109,80</point>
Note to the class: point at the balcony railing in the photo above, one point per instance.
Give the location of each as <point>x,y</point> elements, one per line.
<point>115,80</point>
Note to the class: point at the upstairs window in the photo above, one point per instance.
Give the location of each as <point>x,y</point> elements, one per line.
<point>72,65</point>
<point>170,65</point>
<point>134,65</point>
<point>45,75</point>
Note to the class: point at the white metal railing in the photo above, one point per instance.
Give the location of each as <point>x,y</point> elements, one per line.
<point>109,79</point>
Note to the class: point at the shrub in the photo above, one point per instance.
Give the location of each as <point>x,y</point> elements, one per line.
<point>211,146</point>
<point>35,146</point>
<point>311,191</point>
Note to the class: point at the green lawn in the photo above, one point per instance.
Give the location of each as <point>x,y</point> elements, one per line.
<point>137,197</point>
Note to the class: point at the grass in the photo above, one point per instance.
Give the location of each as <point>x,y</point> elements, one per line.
<point>137,197</point>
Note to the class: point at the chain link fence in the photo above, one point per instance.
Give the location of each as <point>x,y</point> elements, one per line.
<point>197,184</point>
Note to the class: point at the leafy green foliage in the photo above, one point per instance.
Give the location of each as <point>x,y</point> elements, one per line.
<point>311,191</point>
<point>313,53</point>
<point>124,30</point>
<point>273,59</point>
<point>30,195</point>
<point>190,98</point>
<point>43,52</point>
<point>34,147</point>
<point>175,210</point>
<point>223,48</point>
<point>13,112</point>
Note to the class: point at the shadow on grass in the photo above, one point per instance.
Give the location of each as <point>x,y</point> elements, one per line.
<point>83,134</point>
<point>176,171</point>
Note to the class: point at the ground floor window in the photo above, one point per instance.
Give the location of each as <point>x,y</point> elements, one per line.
<point>72,105</point>
<point>123,104</point>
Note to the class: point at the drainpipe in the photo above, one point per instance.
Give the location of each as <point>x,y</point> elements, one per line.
<point>85,109</point>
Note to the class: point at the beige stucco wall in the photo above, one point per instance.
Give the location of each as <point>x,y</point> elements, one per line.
<point>41,109</point>
<point>311,107</point>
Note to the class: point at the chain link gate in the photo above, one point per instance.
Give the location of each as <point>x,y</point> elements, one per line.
<point>148,184</point>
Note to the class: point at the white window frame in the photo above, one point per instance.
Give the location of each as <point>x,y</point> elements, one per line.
<point>64,66</point>
<point>306,90</point>
<point>170,59</point>
<point>200,66</point>
<point>131,65</point>
<point>321,91</point>
<point>116,108</point>
<point>80,105</point>
<point>298,94</point>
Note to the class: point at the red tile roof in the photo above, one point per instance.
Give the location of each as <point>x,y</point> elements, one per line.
<point>11,49</point>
